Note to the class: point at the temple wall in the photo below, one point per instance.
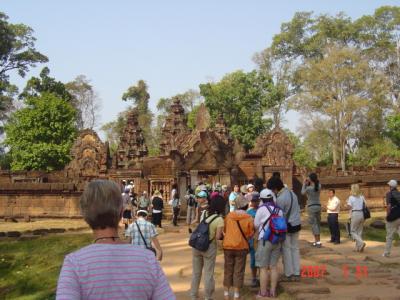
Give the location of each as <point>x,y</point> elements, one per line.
<point>55,201</point>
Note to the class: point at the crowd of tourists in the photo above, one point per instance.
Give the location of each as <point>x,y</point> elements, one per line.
<point>260,220</point>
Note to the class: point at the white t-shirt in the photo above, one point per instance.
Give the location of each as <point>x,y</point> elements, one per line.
<point>356,202</point>
<point>333,206</point>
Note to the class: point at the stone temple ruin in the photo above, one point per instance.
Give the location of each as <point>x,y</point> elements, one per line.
<point>207,154</point>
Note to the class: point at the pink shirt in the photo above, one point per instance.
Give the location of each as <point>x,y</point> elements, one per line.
<point>112,271</point>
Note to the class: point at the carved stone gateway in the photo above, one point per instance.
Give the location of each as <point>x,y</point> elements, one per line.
<point>90,157</point>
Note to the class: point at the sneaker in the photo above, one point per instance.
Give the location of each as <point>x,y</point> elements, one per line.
<point>362,247</point>
<point>255,283</point>
<point>385,255</point>
<point>296,278</point>
<point>190,230</point>
<point>336,243</point>
<point>285,278</point>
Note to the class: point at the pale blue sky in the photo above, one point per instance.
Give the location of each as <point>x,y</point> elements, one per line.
<point>173,45</point>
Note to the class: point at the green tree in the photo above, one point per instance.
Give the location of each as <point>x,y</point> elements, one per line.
<point>85,100</point>
<point>393,129</point>
<point>46,84</point>
<point>17,53</point>
<point>41,134</point>
<point>242,98</point>
<point>338,87</point>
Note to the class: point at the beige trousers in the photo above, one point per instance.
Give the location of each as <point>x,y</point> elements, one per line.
<point>391,229</point>
<point>203,260</point>
<point>356,225</point>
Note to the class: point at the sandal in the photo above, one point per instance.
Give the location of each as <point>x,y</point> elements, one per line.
<point>260,295</point>
<point>272,294</point>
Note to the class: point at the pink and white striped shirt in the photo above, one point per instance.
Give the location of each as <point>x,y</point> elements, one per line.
<point>112,271</point>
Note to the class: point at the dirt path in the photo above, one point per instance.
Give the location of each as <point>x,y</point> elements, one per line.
<point>348,275</point>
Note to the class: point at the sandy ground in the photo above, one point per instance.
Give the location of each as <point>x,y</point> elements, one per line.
<point>341,281</point>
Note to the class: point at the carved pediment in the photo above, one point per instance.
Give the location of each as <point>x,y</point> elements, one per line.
<point>89,156</point>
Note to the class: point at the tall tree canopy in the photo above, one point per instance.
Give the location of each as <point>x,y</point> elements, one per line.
<point>309,42</point>
<point>46,84</point>
<point>242,98</point>
<point>17,53</point>
<point>339,87</point>
<point>85,100</point>
<point>41,134</point>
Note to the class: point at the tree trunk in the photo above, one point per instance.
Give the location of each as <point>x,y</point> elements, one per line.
<point>343,155</point>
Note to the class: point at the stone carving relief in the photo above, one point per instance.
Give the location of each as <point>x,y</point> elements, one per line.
<point>132,147</point>
<point>275,148</point>
<point>89,156</point>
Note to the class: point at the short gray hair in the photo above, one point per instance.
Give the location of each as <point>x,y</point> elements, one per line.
<point>101,204</point>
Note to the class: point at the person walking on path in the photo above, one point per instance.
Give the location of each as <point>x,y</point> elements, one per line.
<point>144,201</point>
<point>90,272</point>
<point>205,260</point>
<point>190,208</point>
<point>158,206</point>
<point>356,202</point>
<point>333,209</point>
<point>288,202</point>
<point>176,208</point>
<point>142,233</point>
<point>393,215</point>
<point>267,254</point>
<point>312,188</point>
<point>237,231</point>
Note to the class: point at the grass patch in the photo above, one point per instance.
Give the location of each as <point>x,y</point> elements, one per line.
<point>30,269</point>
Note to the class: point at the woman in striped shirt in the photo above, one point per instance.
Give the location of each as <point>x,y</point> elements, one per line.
<point>109,268</point>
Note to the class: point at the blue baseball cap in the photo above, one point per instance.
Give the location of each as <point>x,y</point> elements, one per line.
<point>201,194</point>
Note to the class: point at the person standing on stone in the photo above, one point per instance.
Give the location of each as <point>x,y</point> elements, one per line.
<point>205,260</point>
<point>288,202</point>
<point>312,188</point>
<point>333,209</point>
<point>393,215</point>
<point>252,210</point>
<point>158,206</point>
<point>355,203</point>
<point>238,230</point>
<point>267,254</point>
<point>144,201</point>
<point>176,208</point>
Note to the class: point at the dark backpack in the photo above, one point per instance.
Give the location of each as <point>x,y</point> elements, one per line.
<point>277,227</point>
<point>199,239</point>
<point>191,201</point>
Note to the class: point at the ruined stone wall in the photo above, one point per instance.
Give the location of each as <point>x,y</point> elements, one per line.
<point>39,200</point>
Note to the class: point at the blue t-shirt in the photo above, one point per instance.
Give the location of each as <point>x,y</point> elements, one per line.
<point>252,212</point>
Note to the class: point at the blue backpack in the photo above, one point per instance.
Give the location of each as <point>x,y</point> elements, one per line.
<point>277,227</point>
<point>199,239</point>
